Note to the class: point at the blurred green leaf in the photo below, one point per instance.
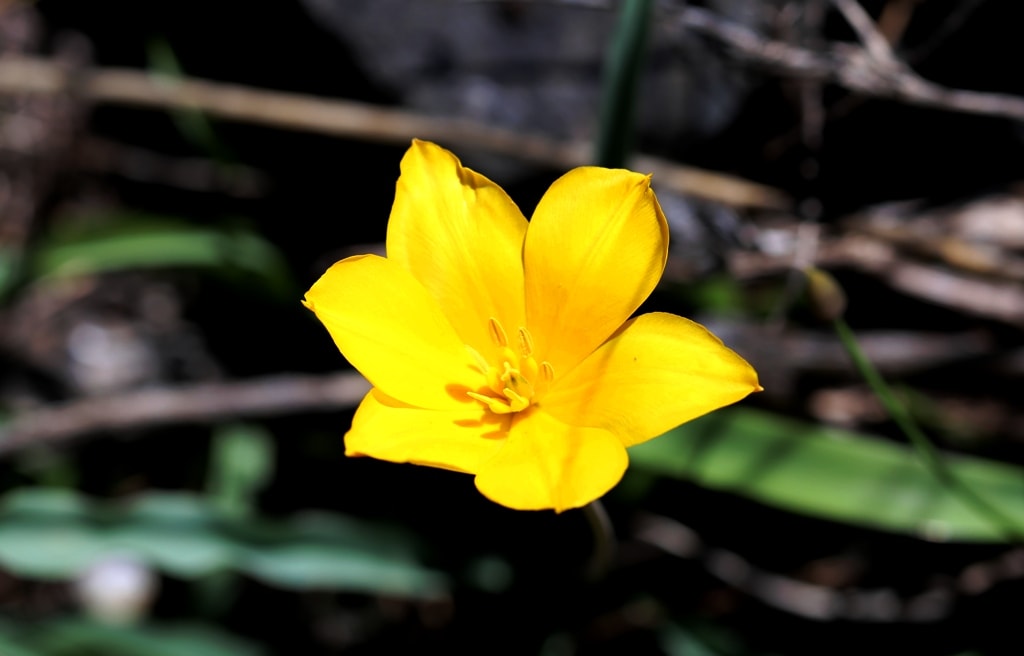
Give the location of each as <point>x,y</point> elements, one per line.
<point>718,295</point>
<point>379,559</point>
<point>10,647</point>
<point>677,641</point>
<point>10,268</point>
<point>48,550</point>
<point>185,550</point>
<point>490,573</point>
<point>79,637</point>
<point>701,638</point>
<point>41,535</point>
<point>43,503</point>
<point>317,566</point>
<point>55,534</point>
<point>625,63</point>
<point>833,474</point>
<point>193,124</point>
<point>163,507</point>
<point>127,241</point>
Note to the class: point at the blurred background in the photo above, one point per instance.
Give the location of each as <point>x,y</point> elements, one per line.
<point>174,175</point>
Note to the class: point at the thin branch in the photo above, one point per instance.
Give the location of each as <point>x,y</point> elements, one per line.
<point>346,118</point>
<point>981,295</point>
<point>204,402</point>
<point>851,67</point>
<point>876,44</point>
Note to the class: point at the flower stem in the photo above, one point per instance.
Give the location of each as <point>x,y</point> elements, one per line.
<point>604,540</point>
<point>618,90</point>
<point>929,454</point>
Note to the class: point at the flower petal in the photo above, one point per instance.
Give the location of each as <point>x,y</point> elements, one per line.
<point>460,439</point>
<point>462,237</point>
<point>658,372</point>
<point>595,249</point>
<point>393,332</point>
<point>546,463</point>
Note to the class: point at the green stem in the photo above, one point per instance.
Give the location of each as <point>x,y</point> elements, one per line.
<point>618,91</point>
<point>929,454</point>
<point>604,540</point>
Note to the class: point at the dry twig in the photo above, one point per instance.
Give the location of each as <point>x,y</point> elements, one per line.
<point>876,44</point>
<point>862,70</point>
<point>979,295</point>
<point>345,118</point>
<point>204,402</point>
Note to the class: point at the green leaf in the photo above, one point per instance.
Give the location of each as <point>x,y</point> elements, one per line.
<point>326,551</point>
<point>74,637</point>
<point>618,90</point>
<point>184,550</point>
<point>41,535</point>
<point>48,550</point>
<point>119,242</point>
<point>55,534</point>
<point>677,641</point>
<point>834,474</point>
<point>9,646</point>
<point>306,566</point>
<point>165,508</point>
<point>10,268</point>
<point>42,503</point>
<point>695,637</point>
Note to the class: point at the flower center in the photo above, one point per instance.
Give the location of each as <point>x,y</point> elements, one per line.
<point>519,379</point>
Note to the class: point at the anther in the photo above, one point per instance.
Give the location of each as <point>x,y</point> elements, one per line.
<point>525,342</point>
<point>514,384</point>
<point>497,332</point>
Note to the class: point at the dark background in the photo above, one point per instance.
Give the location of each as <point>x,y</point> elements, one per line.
<point>322,196</point>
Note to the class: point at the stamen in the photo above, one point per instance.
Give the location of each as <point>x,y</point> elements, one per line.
<point>529,368</point>
<point>497,332</point>
<point>515,401</point>
<point>497,406</point>
<point>519,380</point>
<point>508,355</point>
<point>525,342</point>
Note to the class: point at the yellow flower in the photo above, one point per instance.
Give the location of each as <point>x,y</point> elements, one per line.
<point>504,349</point>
